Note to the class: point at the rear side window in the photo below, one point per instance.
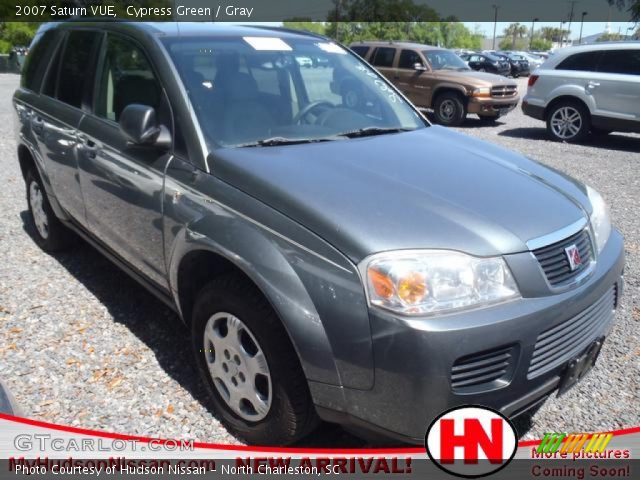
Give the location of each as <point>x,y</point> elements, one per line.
<point>620,61</point>
<point>585,62</point>
<point>76,61</point>
<point>126,78</point>
<point>37,60</point>
<point>408,58</point>
<point>383,57</point>
<point>361,50</point>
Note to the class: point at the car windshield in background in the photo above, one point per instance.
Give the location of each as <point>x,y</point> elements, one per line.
<point>268,91</point>
<point>444,60</point>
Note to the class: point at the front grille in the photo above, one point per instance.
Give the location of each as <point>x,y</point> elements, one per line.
<point>561,343</point>
<point>504,91</point>
<point>482,370</point>
<point>553,258</point>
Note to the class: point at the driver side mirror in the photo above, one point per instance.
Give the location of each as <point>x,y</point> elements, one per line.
<point>418,67</point>
<point>139,125</point>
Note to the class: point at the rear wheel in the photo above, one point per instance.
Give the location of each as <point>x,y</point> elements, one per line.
<point>449,109</point>
<point>568,121</point>
<point>50,234</point>
<point>250,368</point>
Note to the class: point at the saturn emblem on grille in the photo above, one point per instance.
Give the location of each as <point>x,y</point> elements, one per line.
<point>573,255</point>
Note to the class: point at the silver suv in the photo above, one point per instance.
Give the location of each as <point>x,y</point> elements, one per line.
<point>587,89</point>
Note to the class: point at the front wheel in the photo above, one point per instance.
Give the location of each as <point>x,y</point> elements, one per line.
<point>568,121</point>
<point>449,109</point>
<point>250,368</point>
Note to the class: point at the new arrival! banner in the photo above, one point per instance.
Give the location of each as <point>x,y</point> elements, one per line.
<point>36,449</point>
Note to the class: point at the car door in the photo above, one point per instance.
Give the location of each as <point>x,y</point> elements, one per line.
<point>123,183</point>
<point>616,90</point>
<point>409,80</point>
<point>382,58</point>
<point>58,112</point>
<point>475,62</point>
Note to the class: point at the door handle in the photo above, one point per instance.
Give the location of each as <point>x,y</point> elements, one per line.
<point>89,146</point>
<point>396,77</point>
<point>37,124</point>
<point>593,84</point>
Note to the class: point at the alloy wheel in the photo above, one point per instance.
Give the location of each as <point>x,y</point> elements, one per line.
<point>238,367</point>
<point>566,122</point>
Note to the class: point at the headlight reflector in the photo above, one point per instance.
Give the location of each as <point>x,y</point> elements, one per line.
<point>424,282</point>
<point>600,219</point>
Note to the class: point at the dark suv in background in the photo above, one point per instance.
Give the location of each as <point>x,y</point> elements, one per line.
<point>331,259</point>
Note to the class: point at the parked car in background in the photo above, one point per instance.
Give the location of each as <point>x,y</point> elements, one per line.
<point>519,65</point>
<point>587,89</point>
<point>436,78</point>
<point>534,60</point>
<point>486,62</point>
<point>352,264</point>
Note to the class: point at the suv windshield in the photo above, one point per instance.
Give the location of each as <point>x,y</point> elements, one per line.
<point>266,91</point>
<point>444,60</point>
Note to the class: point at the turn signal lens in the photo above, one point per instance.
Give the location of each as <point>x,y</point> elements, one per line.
<point>412,289</point>
<point>532,80</point>
<point>381,283</point>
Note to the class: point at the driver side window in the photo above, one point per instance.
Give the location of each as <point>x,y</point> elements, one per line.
<point>126,78</point>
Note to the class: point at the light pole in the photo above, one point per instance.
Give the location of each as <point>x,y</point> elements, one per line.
<point>495,24</point>
<point>573,4</point>
<point>581,23</point>
<point>533,23</point>
<point>562,33</point>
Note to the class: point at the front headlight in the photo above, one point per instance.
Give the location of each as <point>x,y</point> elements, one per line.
<point>600,220</point>
<point>424,282</point>
<point>481,92</point>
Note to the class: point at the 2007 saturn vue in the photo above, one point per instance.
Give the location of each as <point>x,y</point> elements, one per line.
<point>350,264</point>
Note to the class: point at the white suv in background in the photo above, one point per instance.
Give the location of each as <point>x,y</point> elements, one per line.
<point>587,89</point>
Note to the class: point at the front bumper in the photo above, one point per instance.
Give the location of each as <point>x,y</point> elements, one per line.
<point>414,356</point>
<point>491,107</point>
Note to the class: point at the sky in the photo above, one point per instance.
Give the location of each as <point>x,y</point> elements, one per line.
<point>589,28</point>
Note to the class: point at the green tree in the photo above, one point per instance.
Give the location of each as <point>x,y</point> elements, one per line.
<point>540,44</point>
<point>13,34</point>
<point>515,31</point>
<point>553,34</point>
<point>610,37</point>
<point>306,25</point>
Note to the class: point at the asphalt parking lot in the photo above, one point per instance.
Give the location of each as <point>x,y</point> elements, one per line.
<point>82,344</point>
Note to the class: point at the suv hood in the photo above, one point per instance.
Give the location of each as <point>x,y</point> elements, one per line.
<point>430,188</point>
<point>473,78</point>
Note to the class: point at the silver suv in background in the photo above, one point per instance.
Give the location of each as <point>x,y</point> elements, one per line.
<point>590,89</point>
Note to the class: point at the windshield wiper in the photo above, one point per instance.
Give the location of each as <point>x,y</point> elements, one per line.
<point>372,131</point>
<point>276,141</point>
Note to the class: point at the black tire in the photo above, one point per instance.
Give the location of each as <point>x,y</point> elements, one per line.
<point>52,235</point>
<point>488,120</point>
<point>572,109</point>
<point>291,415</point>
<point>600,132</point>
<point>449,109</point>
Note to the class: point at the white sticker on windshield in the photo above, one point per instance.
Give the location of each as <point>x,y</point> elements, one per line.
<point>267,43</point>
<point>331,47</point>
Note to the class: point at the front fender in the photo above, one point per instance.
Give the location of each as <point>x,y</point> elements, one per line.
<point>314,289</point>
